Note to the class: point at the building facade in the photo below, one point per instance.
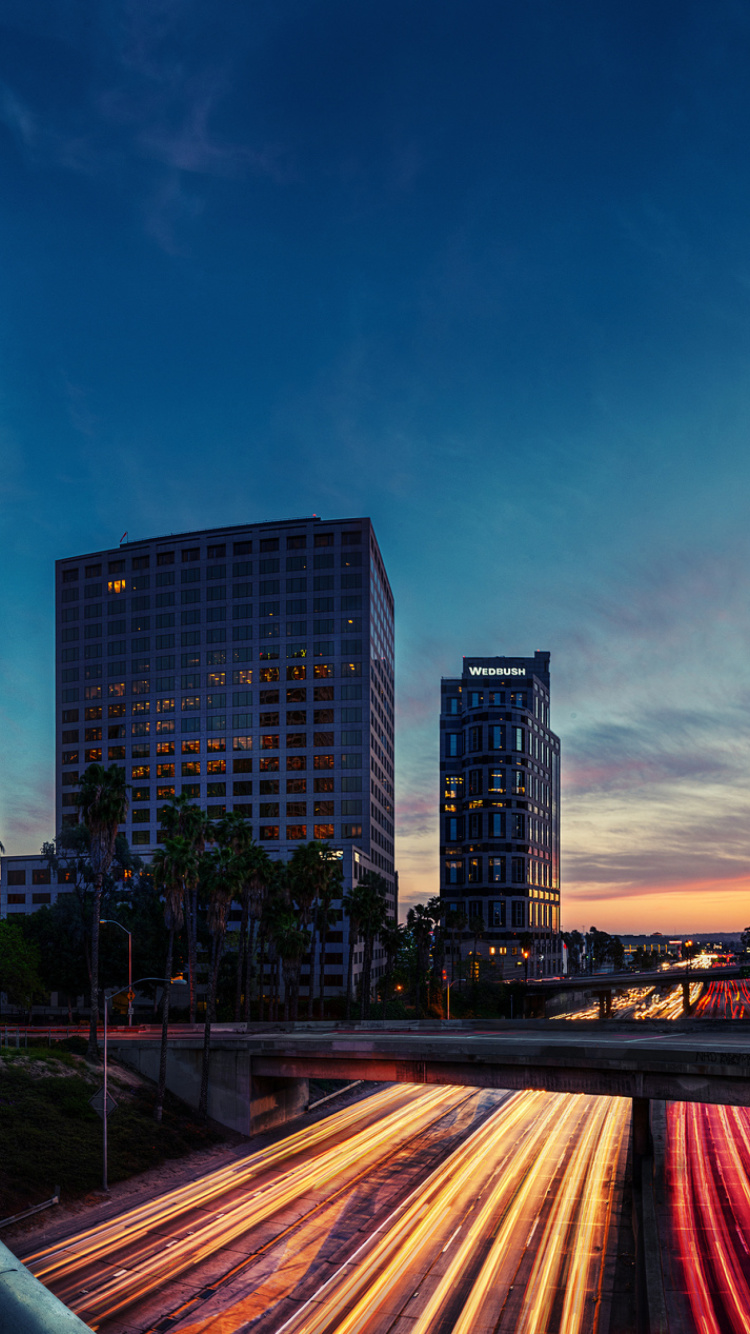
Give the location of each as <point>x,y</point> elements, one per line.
<point>500,812</point>
<point>250,667</point>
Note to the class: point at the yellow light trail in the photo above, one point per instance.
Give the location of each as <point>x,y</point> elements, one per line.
<point>128,1227</point>
<point>148,1268</point>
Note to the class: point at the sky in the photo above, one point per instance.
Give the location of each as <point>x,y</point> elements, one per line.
<point>478,270</point>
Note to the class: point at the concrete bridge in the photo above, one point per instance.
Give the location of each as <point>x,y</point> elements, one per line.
<point>605,985</point>
<point>260,1079</point>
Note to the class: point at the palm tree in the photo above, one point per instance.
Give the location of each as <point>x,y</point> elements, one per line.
<point>291,942</point>
<point>223,873</point>
<point>437,909</point>
<point>233,831</point>
<point>419,921</point>
<point>102,802</point>
<point>181,816</point>
<point>373,889</point>
<point>173,866</point>
<point>391,938</point>
<point>456,923</point>
<point>476,927</point>
<point>258,872</point>
<point>325,918</point>
<point>352,905</point>
<point>307,876</point>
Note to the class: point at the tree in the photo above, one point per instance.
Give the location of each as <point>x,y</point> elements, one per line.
<point>392,939</point>
<point>181,816</point>
<point>291,942</point>
<point>223,873</point>
<point>234,831</point>
<point>258,870</point>
<point>172,866</point>
<point>372,889</point>
<point>745,939</point>
<point>352,906</point>
<point>19,965</point>
<point>456,923</point>
<point>476,927</point>
<point>419,922</point>
<point>102,801</point>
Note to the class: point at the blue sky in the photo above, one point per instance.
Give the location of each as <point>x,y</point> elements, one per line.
<point>480,271</point>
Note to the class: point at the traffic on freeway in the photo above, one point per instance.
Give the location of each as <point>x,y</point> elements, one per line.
<point>463,1209</point>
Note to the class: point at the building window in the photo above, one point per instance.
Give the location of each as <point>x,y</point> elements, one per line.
<point>453,744</point>
<point>497,738</point>
<point>475,870</point>
<point>496,780</point>
<point>519,826</point>
<point>518,870</point>
<point>517,734</point>
<point>297,831</point>
<point>269,832</point>
<point>475,825</point>
<point>496,824</point>
<point>497,913</point>
<point>475,782</point>
<point>16,877</point>
<point>519,913</point>
<point>519,782</point>
<point>16,898</point>
<point>454,873</point>
<point>350,831</point>
<point>496,871</point>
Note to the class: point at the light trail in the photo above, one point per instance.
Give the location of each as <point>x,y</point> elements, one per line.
<point>707,1167</point>
<point>491,1186</point>
<point>155,1263</point>
<point>724,1000</point>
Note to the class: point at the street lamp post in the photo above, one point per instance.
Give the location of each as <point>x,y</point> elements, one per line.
<point>167,981</point>
<point>104,921</point>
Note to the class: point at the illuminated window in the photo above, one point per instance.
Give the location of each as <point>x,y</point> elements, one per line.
<point>165,771</point>
<point>269,674</point>
<point>92,714</point>
<point>141,816</point>
<point>141,687</point>
<point>216,743</point>
<point>165,706</point>
<point>475,870</point>
<point>216,766</point>
<point>269,741</point>
<point>454,873</point>
<point>242,743</point>
<point>269,832</point>
<point>69,757</point>
<point>116,586</point>
<point>349,830</point>
<point>216,679</point>
<point>142,728</point>
<point>297,831</point>
<point>323,762</point>
<point>519,782</point>
<point>140,771</point>
<point>243,676</point>
<point>167,747</point>
<point>322,669</point>
<point>190,747</point>
<point>496,780</point>
<point>325,808</point>
<point>267,765</point>
<point>190,768</point>
<point>116,688</point>
<point>191,702</point>
<point>165,725</point>
<point>93,756</point>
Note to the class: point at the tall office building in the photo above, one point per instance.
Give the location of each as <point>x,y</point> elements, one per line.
<point>250,667</point>
<point>500,809</point>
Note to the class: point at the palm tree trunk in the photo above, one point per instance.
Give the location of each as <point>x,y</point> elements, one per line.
<point>192,931</point>
<point>364,1000</point>
<point>350,974</point>
<point>322,970</point>
<point>249,968</point>
<point>262,972</point>
<point>213,978</point>
<point>93,1048</point>
<point>161,1086</point>
<point>241,948</point>
<point>311,979</point>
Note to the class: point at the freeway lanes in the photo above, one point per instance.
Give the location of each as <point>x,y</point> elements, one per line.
<point>429,1201</point>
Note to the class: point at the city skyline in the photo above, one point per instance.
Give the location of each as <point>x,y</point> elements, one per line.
<point>484,282</point>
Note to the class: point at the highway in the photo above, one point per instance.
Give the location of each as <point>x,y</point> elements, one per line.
<point>462,1209</point>
<point>707,1192</point>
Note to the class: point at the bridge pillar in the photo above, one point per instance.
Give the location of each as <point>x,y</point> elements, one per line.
<point>686,997</point>
<point>605,1004</point>
<point>641,1126</point>
<point>274,1100</point>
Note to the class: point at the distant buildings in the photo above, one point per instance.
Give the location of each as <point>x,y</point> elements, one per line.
<point>500,811</point>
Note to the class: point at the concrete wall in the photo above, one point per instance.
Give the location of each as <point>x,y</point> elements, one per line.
<point>237,1098</point>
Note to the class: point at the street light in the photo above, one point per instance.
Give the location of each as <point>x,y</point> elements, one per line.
<point>166,981</point>
<point>104,921</point>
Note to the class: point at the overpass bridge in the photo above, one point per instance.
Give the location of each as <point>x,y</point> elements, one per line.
<point>605,985</point>
<point>260,1079</point>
